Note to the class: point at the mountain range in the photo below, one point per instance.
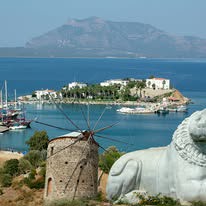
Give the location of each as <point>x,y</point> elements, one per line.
<point>95,37</point>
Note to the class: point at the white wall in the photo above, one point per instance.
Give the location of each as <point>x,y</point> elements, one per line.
<point>158,83</point>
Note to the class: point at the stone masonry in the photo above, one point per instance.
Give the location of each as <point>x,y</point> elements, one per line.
<point>72,172</point>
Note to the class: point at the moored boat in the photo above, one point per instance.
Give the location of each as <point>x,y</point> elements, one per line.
<point>17,126</point>
<point>137,110</point>
<point>181,108</point>
<point>162,111</point>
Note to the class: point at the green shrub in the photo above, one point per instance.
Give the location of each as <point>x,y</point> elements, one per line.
<point>11,167</point>
<point>43,156</point>
<point>5,180</point>
<point>42,172</point>
<point>34,183</point>
<point>107,158</point>
<point>198,203</point>
<point>32,174</point>
<point>39,141</point>
<point>24,166</point>
<point>37,184</point>
<point>35,157</point>
<point>158,200</point>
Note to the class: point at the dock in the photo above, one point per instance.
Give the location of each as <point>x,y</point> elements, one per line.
<point>3,129</point>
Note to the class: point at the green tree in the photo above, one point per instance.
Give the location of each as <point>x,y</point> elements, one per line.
<point>35,157</point>
<point>131,84</point>
<point>107,158</point>
<point>39,141</point>
<point>5,180</point>
<point>151,77</point>
<point>33,94</point>
<point>149,83</point>
<point>11,167</point>
<point>24,166</point>
<point>163,84</point>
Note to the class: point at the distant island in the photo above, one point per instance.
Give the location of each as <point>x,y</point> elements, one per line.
<point>95,37</point>
<point>128,91</point>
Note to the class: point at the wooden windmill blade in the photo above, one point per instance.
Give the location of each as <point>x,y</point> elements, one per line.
<point>62,111</point>
<point>54,126</point>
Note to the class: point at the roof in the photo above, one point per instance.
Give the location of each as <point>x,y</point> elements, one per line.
<point>173,98</point>
<point>71,134</point>
<point>74,135</point>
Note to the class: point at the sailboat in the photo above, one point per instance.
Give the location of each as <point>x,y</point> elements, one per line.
<point>11,117</point>
<point>20,122</point>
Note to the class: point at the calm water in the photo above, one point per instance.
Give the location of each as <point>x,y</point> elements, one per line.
<point>143,131</point>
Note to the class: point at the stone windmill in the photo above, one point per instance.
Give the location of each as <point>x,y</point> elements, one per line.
<point>72,162</point>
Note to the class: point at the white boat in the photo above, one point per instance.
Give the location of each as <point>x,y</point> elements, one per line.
<point>182,108</point>
<point>137,110</point>
<point>17,126</point>
<point>125,110</point>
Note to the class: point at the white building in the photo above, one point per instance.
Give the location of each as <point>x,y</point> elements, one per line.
<point>41,94</point>
<point>113,82</point>
<point>158,83</point>
<point>76,84</point>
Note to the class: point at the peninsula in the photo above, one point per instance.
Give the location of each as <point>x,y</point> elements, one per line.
<point>128,91</point>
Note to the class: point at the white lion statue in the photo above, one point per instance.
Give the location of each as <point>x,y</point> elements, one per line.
<point>178,170</point>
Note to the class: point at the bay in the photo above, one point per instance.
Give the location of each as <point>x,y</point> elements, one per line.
<point>143,131</point>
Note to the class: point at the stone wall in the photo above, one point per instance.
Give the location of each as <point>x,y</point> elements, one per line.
<point>71,173</point>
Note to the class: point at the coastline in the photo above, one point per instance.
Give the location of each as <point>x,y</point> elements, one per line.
<point>7,155</point>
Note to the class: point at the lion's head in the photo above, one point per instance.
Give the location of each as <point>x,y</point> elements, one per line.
<point>190,138</point>
<point>197,126</point>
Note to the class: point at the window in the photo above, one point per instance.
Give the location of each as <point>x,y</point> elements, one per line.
<point>52,151</point>
<point>49,186</point>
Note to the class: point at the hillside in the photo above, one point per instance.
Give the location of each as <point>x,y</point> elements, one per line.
<point>95,37</point>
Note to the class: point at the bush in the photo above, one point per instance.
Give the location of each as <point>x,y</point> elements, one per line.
<point>6,180</point>
<point>35,157</point>
<point>11,167</point>
<point>157,200</point>
<point>24,166</point>
<point>198,203</point>
<point>39,141</point>
<point>34,183</point>
<point>42,172</point>
<point>32,174</point>
<point>107,158</point>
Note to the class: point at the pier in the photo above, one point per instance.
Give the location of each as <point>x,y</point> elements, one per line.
<point>3,129</point>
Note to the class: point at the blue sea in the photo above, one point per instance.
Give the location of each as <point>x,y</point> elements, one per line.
<point>138,131</point>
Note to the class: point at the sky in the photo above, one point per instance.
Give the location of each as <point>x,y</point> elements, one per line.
<point>21,20</point>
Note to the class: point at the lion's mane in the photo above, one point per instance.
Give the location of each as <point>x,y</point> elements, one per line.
<point>185,145</point>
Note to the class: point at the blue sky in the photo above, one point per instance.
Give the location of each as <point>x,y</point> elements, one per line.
<point>20,20</point>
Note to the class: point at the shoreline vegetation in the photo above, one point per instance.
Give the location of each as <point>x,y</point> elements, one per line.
<point>124,92</point>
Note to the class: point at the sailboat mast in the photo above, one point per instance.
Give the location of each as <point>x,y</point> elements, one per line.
<point>1,99</point>
<point>1,106</point>
<point>6,95</point>
<point>15,99</point>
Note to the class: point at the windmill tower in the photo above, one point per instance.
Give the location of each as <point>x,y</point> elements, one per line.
<point>71,172</point>
<point>72,161</point>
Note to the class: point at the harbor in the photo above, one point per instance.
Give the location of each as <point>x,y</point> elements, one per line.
<point>143,131</point>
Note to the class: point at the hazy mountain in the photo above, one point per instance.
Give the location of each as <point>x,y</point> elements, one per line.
<point>95,37</point>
